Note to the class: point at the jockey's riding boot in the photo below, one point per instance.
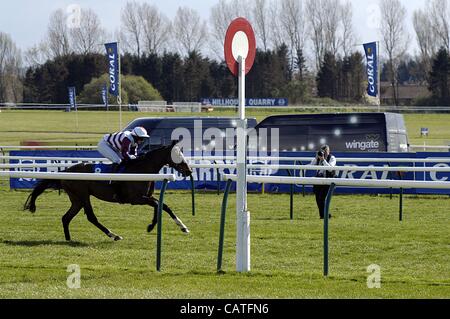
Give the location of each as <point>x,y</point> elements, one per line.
<point>115,168</point>
<point>118,192</point>
<point>116,185</point>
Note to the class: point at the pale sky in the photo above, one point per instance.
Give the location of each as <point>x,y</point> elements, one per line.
<point>26,20</point>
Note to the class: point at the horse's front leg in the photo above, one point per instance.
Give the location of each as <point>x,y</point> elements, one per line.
<point>93,219</point>
<point>155,203</point>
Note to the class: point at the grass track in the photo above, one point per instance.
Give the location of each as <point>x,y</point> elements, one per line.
<point>286,255</point>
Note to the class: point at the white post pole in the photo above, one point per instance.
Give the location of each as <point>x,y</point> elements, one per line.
<point>119,97</point>
<point>76,109</point>
<point>242,215</point>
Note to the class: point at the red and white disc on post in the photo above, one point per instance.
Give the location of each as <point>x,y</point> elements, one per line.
<point>240,41</point>
<point>240,52</point>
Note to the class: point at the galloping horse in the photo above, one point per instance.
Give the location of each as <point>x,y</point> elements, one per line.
<point>134,193</point>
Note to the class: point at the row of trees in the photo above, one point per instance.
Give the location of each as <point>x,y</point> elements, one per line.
<point>175,78</point>
<point>342,79</point>
<point>325,24</point>
<point>294,37</point>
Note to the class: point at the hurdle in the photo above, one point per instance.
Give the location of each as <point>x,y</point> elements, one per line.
<point>165,178</point>
<point>333,183</point>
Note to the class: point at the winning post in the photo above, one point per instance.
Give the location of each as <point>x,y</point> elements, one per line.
<point>240,51</point>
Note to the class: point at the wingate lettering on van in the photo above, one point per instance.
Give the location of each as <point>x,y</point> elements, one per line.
<point>370,144</point>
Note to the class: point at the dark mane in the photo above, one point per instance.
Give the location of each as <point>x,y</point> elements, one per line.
<point>150,154</point>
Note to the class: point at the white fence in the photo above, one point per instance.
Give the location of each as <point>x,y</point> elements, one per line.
<point>343,108</point>
<point>46,158</point>
<point>309,159</point>
<point>341,182</point>
<point>250,158</point>
<point>445,148</point>
<point>162,106</point>
<point>269,168</point>
<point>41,147</point>
<point>91,176</point>
<point>429,147</point>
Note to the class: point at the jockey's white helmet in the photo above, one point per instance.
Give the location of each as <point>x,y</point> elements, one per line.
<point>140,132</point>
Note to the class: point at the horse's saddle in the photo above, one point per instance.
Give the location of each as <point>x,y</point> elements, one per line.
<point>107,169</point>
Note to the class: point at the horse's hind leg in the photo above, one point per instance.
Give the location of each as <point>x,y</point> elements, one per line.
<point>155,217</point>
<point>89,211</point>
<point>155,203</point>
<point>67,218</point>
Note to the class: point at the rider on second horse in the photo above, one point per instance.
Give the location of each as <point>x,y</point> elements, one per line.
<point>120,148</point>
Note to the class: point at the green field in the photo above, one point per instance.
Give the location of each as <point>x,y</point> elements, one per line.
<point>414,255</point>
<point>286,259</point>
<point>60,127</point>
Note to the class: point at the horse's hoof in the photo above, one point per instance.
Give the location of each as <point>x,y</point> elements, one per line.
<point>150,228</point>
<point>118,238</point>
<point>185,230</point>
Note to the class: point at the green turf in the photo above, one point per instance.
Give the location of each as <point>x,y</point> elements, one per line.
<point>59,127</point>
<point>414,255</point>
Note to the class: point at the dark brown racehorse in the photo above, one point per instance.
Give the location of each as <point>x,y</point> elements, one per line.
<point>134,193</point>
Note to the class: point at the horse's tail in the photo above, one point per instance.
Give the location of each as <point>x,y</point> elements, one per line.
<point>30,204</point>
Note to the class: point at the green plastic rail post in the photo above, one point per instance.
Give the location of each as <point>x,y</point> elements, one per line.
<point>159,237</point>
<point>325,228</point>
<point>222,225</point>
<point>291,197</point>
<point>401,205</point>
<point>193,195</point>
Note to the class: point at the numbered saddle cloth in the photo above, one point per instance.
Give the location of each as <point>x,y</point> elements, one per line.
<point>103,168</point>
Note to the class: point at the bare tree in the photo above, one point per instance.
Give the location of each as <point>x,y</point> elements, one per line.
<point>261,17</point>
<point>317,25</point>
<point>221,16</point>
<point>348,34</point>
<point>331,28</point>
<point>89,35</point>
<point>132,28</point>
<point>276,25</point>
<point>394,36</point>
<point>37,55</point>
<point>440,21</point>
<point>189,31</point>
<point>10,66</point>
<point>332,16</point>
<point>156,27</point>
<point>425,36</point>
<point>293,27</point>
<point>58,37</point>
